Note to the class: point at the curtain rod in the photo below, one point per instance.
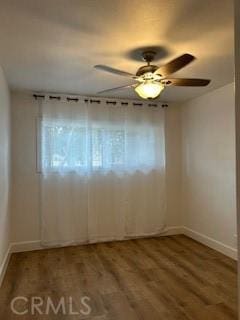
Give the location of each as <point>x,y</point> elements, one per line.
<point>110,101</point>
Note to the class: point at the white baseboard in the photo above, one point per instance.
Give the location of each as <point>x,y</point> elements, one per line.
<point>17,247</point>
<point>36,245</point>
<point>26,246</point>
<point>212,243</point>
<point>174,230</point>
<point>171,231</point>
<point>3,266</point>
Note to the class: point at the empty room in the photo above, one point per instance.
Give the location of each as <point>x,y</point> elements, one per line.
<point>119,159</point>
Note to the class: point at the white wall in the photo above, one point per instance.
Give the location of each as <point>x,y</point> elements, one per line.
<point>25,180</point>
<point>237,119</point>
<point>200,166</point>
<point>4,169</point>
<point>208,175</point>
<point>173,137</point>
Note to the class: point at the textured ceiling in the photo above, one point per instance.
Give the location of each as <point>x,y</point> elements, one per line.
<point>52,45</point>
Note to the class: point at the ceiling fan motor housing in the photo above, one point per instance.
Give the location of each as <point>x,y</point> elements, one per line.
<point>148,56</point>
<point>146,69</point>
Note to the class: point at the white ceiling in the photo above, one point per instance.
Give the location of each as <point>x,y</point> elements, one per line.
<point>52,45</point>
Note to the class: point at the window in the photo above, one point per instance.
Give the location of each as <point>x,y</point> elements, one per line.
<point>72,146</point>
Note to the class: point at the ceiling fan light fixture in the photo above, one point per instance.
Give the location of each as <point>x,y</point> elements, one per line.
<point>149,89</point>
<point>151,79</point>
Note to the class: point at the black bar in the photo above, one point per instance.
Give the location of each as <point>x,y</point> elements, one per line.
<point>72,99</point>
<point>96,101</point>
<point>111,102</point>
<point>38,96</point>
<point>55,97</point>
<point>137,104</point>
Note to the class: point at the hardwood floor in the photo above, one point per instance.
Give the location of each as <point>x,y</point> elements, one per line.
<point>167,278</point>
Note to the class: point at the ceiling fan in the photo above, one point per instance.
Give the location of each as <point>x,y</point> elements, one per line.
<point>151,80</point>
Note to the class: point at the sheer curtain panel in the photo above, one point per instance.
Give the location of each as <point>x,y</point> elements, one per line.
<point>102,171</point>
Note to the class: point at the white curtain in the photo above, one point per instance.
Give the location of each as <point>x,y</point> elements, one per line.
<point>103,171</point>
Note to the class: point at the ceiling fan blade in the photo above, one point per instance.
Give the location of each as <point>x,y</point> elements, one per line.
<point>175,65</point>
<point>117,88</point>
<point>114,71</point>
<point>187,82</point>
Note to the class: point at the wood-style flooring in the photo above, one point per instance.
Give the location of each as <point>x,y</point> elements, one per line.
<point>166,278</point>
